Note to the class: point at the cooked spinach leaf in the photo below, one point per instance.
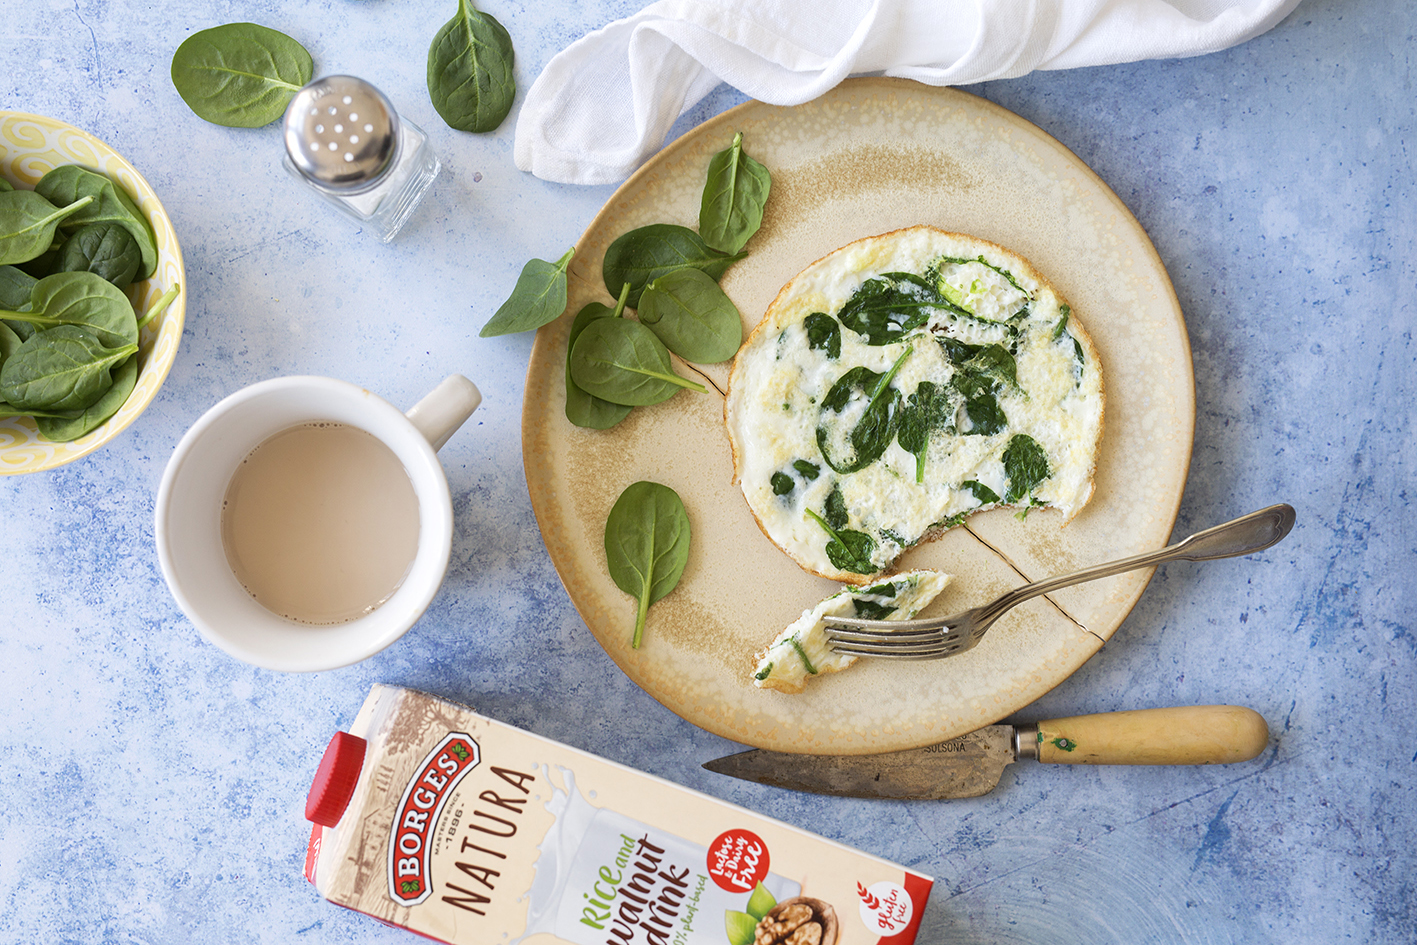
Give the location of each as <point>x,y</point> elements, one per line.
<point>847,550</point>
<point>835,508</point>
<point>928,410</point>
<point>735,194</point>
<point>28,220</point>
<point>782,483</point>
<point>105,249</point>
<point>1026,465</point>
<point>694,318</point>
<point>70,183</point>
<point>885,308</point>
<point>983,493</point>
<point>823,334</point>
<point>875,429</point>
<point>986,263</point>
<point>240,75</point>
<point>643,255</point>
<point>470,79</point>
<point>622,361</point>
<point>646,545</point>
<point>873,610</point>
<point>537,298</point>
<point>808,471</point>
<point>64,368</point>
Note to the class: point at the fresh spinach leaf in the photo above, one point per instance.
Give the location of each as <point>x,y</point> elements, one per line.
<point>983,493</point>
<point>83,299</point>
<point>159,306</point>
<point>644,254</point>
<point>823,334</point>
<point>875,429</point>
<point>646,545</point>
<point>885,308</point>
<point>111,204</point>
<point>622,361</point>
<point>929,409</point>
<point>1026,465</point>
<point>537,298</point>
<point>61,429</point>
<point>582,409</point>
<point>5,186</point>
<point>27,223</point>
<point>847,550</point>
<point>692,316</point>
<point>240,75</point>
<point>735,194</point>
<point>9,343</point>
<point>15,287</point>
<point>470,79</point>
<point>64,368</point>
<point>105,249</point>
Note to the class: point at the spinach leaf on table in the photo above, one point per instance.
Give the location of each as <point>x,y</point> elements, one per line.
<point>736,192</point>
<point>111,204</point>
<point>692,316</point>
<point>64,368</point>
<point>582,409</point>
<point>875,428</point>
<point>28,220</point>
<point>106,249</point>
<point>62,429</point>
<point>623,362</point>
<point>644,254</point>
<point>83,299</point>
<point>470,78</point>
<point>646,545</point>
<point>240,75</point>
<point>537,298</point>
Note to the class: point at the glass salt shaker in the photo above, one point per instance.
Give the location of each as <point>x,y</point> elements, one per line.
<point>345,141</point>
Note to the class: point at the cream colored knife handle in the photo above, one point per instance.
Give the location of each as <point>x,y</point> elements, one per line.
<point>1185,735</point>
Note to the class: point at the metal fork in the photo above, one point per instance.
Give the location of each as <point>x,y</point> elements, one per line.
<point>931,638</point>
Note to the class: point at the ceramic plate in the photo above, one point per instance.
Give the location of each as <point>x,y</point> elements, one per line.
<point>30,147</point>
<point>871,156</point>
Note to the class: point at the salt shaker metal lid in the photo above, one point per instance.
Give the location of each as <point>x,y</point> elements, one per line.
<point>341,133</point>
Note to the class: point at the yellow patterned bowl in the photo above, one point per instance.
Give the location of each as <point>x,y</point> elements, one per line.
<point>30,146</point>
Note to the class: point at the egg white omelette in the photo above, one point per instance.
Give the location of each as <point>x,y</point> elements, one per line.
<point>901,383</point>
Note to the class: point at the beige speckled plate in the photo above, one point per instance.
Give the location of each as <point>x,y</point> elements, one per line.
<point>870,156</point>
<point>30,147</point>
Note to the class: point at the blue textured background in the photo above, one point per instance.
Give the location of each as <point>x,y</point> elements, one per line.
<point>151,788</point>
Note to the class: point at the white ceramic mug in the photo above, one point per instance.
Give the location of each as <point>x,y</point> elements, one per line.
<point>189,504</point>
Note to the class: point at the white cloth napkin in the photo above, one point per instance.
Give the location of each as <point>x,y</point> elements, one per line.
<point>604,105</point>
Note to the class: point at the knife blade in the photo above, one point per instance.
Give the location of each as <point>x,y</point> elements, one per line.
<point>971,765</point>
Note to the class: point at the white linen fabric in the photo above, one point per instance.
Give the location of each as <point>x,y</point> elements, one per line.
<point>603,105</point>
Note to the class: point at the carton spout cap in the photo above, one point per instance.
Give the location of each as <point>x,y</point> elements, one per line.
<point>335,779</point>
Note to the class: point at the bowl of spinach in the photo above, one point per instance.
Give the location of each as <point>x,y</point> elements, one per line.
<point>91,293</point>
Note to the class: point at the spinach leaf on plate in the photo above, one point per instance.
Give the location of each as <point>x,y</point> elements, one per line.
<point>736,192</point>
<point>646,545</point>
<point>111,204</point>
<point>28,220</point>
<point>63,368</point>
<point>623,362</point>
<point>470,78</point>
<point>240,75</point>
<point>692,316</point>
<point>537,298</point>
<point>644,254</point>
<point>582,409</point>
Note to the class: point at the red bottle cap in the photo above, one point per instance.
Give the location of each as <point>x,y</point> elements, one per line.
<point>335,779</point>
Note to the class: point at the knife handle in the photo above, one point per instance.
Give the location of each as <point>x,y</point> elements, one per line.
<point>1184,735</point>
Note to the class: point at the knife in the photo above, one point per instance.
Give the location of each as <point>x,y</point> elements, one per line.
<point>970,765</point>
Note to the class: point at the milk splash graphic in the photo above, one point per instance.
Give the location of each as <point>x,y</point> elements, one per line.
<point>604,877</point>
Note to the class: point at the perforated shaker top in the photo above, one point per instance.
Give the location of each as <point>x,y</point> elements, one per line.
<point>341,132</point>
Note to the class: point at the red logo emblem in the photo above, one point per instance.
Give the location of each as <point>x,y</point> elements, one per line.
<point>738,860</point>
<point>418,813</point>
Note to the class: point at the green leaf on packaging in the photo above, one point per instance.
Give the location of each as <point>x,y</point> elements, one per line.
<point>735,194</point>
<point>760,902</point>
<point>646,545</point>
<point>694,318</point>
<point>622,361</point>
<point>111,204</point>
<point>240,75</point>
<point>740,927</point>
<point>470,78</point>
<point>644,254</point>
<point>537,298</point>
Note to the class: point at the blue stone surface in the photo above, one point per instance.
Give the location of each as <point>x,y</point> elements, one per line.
<point>151,788</point>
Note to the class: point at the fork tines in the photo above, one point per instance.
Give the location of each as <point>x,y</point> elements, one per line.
<point>907,642</point>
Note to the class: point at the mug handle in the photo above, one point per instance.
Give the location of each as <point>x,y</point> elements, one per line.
<point>439,414</point>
